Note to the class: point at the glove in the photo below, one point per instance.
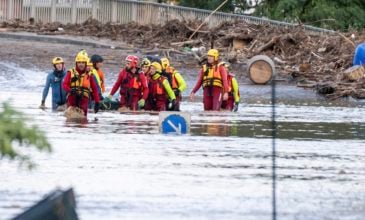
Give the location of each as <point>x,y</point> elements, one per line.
<point>172,104</point>
<point>235,107</point>
<point>96,107</point>
<point>177,92</point>
<point>42,106</point>
<point>141,103</point>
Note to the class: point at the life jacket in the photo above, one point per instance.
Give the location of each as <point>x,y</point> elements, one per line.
<point>81,82</point>
<point>157,87</point>
<point>174,84</point>
<point>97,77</point>
<point>230,87</point>
<point>101,77</point>
<point>132,81</point>
<point>212,76</point>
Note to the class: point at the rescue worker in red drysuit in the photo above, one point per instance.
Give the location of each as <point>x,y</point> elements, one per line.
<point>213,78</point>
<point>233,91</point>
<point>160,90</point>
<point>132,84</point>
<point>77,84</point>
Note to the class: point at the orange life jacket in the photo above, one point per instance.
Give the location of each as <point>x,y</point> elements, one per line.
<point>157,87</point>
<point>212,76</point>
<point>80,82</point>
<point>132,81</point>
<point>174,83</point>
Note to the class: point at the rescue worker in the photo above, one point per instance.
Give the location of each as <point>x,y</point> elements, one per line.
<point>132,84</point>
<point>177,82</point>
<point>213,77</point>
<point>160,90</point>
<point>93,73</point>
<point>233,90</point>
<point>146,68</point>
<point>97,62</point>
<point>54,80</point>
<point>77,84</point>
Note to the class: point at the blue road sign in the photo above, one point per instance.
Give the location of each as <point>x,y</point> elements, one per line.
<point>174,123</point>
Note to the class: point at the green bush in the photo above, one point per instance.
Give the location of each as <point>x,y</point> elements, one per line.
<point>14,131</point>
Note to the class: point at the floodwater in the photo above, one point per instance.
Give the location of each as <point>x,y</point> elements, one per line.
<point>122,168</point>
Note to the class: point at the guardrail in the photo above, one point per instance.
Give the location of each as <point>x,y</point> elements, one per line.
<point>121,11</point>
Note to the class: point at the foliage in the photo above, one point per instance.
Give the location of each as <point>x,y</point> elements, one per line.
<point>208,4</point>
<point>14,131</point>
<point>331,14</point>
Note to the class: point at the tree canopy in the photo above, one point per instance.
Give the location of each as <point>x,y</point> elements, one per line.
<point>331,14</point>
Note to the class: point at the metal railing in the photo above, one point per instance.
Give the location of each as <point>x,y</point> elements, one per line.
<point>121,11</point>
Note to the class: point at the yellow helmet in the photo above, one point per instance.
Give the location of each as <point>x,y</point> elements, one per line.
<point>146,62</point>
<point>214,53</point>
<point>81,57</point>
<point>89,63</point>
<point>83,52</point>
<point>165,62</point>
<point>157,66</point>
<point>57,60</point>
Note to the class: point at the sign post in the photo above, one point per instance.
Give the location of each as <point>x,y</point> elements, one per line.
<point>174,122</point>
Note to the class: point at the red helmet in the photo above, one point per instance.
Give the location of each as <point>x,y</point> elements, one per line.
<point>133,60</point>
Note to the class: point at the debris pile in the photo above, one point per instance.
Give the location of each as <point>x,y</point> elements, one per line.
<point>313,60</point>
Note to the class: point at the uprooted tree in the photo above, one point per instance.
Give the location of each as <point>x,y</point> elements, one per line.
<point>15,134</point>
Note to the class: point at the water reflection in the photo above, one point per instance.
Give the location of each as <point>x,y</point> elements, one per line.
<point>285,130</point>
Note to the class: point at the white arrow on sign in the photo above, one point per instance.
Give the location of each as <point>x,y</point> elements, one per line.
<point>177,129</point>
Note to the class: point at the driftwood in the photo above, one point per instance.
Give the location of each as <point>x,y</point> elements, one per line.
<point>268,45</point>
<point>185,42</point>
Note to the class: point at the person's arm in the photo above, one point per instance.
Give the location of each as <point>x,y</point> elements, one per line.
<point>168,89</point>
<point>94,87</point>
<point>224,78</point>
<point>97,84</point>
<point>180,80</point>
<point>102,79</point>
<point>199,82</point>
<point>117,83</point>
<point>46,88</point>
<point>144,83</point>
<point>235,89</point>
<point>66,84</point>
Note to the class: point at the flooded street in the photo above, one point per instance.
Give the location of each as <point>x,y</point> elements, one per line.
<point>122,168</point>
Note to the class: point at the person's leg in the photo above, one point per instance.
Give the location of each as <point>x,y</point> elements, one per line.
<point>207,99</point>
<point>135,96</point>
<point>123,100</point>
<point>71,101</point>
<point>230,103</point>
<point>224,105</point>
<point>217,98</point>
<point>84,104</point>
<point>161,103</point>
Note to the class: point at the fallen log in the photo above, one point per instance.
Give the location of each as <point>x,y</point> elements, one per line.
<point>185,42</point>
<point>268,45</point>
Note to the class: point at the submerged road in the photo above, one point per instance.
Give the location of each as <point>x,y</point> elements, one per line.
<point>122,168</point>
